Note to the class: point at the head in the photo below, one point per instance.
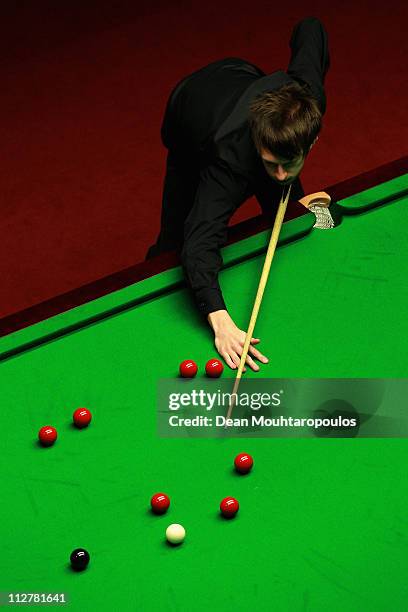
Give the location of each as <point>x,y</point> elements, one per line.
<point>285,124</point>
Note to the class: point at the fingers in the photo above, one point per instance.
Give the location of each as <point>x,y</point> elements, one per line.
<point>232,359</point>
<point>237,359</point>
<point>258,355</point>
<point>254,366</point>
<point>253,352</point>
<point>230,343</point>
<point>228,361</point>
<point>232,356</point>
<point>249,361</point>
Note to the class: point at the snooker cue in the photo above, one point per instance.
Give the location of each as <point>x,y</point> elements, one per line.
<point>259,295</point>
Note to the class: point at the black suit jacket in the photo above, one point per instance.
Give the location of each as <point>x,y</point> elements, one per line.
<point>207,116</point>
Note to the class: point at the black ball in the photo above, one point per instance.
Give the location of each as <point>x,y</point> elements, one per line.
<point>79,559</point>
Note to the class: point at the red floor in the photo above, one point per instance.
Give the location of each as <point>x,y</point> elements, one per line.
<point>83,89</point>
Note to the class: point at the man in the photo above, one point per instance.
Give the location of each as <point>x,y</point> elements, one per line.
<point>232,132</point>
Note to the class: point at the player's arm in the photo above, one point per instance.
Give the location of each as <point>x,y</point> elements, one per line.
<point>219,193</point>
<point>310,59</point>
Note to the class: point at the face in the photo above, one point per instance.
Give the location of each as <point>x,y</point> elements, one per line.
<point>283,171</point>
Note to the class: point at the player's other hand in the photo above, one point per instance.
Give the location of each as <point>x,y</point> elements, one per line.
<point>229,341</point>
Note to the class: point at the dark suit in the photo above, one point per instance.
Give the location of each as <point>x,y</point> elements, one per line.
<point>212,164</point>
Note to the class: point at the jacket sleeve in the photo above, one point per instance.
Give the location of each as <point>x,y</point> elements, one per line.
<point>219,193</point>
<point>310,58</point>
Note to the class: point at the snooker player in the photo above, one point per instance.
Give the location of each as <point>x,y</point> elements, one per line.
<point>232,132</point>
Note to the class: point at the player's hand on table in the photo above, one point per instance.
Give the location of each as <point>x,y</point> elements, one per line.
<point>229,341</point>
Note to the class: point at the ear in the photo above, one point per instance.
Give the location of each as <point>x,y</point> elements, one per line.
<point>314,142</point>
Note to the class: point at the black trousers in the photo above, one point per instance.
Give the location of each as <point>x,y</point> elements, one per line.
<point>179,190</point>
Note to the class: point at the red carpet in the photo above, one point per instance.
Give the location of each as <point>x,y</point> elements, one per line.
<point>83,90</point>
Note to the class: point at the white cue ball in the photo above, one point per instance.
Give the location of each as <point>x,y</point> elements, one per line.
<point>175,533</point>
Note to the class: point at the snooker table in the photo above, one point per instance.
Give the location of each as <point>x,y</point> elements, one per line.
<point>322,522</point>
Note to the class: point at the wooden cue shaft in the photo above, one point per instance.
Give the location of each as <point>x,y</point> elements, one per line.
<point>259,295</point>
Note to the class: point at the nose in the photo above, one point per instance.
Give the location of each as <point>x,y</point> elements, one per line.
<point>280,173</point>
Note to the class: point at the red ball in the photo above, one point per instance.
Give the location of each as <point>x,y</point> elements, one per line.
<point>229,507</point>
<point>188,369</point>
<point>243,463</point>
<point>214,368</point>
<point>47,435</point>
<point>82,417</point>
<point>160,503</point>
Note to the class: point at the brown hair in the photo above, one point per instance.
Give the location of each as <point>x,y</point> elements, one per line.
<point>285,122</point>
